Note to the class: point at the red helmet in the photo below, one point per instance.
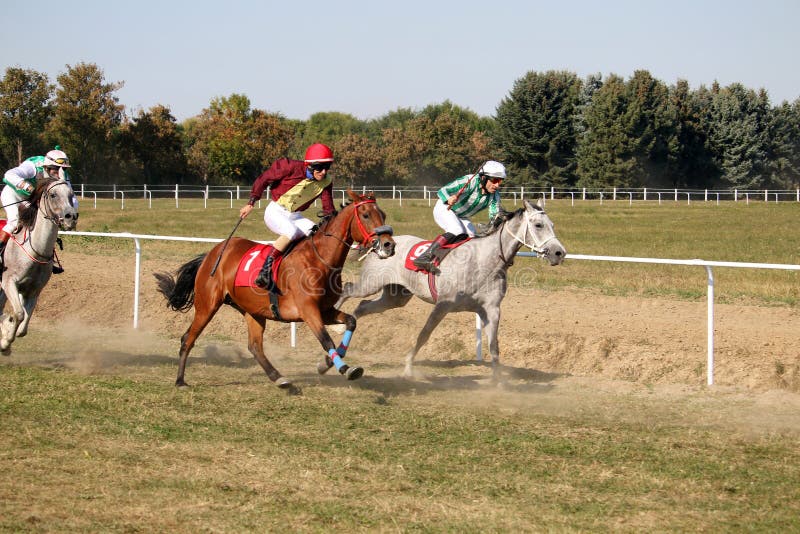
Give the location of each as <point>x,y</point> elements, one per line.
<point>319,153</point>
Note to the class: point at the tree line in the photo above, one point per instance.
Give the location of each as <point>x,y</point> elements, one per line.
<point>553,129</point>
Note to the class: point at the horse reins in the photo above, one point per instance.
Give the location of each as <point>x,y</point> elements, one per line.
<point>379,230</point>
<point>536,247</point>
<point>43,199</point>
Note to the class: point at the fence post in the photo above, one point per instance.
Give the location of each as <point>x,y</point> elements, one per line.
<point>176,195</point>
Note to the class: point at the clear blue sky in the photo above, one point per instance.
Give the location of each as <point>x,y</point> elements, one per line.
<point>366,58</point>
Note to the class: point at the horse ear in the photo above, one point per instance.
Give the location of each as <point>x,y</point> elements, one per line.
<point>536,207</point>
<point>353,196</point>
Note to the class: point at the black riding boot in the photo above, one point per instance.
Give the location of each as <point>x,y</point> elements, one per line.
<point>426,259</point>
<point>264,279</point>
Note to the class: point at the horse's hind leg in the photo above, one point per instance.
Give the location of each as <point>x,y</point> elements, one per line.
<point>255,343</point>
<point>436,316</point>
<point>202,316</point>
<point>392,296</point>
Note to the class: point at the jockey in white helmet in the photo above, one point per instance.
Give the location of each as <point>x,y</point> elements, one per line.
<point>21,181</point>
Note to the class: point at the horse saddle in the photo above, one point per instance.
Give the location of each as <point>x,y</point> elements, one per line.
<point>251,263</point>
<point>418,249</point>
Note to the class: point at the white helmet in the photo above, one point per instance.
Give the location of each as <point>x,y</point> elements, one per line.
<point>56,158</point>
<point>494,169</point>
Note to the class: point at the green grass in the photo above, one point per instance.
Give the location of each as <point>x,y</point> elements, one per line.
<point>109,453</point>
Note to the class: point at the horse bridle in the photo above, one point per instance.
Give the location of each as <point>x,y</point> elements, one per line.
<point>539,248</point>
<point>378,231</point>
<point>47,210</point>
<point>368,236</point>
<point>48,214</point>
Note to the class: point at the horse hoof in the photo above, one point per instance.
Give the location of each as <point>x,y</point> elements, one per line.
<point>354,373</point>
<point>6,351</point>
<point>323,366</point>
<point>283,383</point>
<point>181,384</point>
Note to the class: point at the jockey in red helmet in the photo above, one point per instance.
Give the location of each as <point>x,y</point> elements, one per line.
<point>294,185</point>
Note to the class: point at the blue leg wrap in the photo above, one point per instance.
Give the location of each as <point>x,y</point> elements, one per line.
<point>336,359</point>
<point>342,349</point>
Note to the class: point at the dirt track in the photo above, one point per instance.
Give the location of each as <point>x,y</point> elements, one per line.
<point>578,344</point>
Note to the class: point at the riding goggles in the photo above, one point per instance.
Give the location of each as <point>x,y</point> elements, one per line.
<point>317,167</point>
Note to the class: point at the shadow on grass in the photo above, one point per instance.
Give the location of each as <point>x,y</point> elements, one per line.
<point>510,379</point>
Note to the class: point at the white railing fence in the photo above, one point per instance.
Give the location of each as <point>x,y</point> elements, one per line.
<point>233,193</point>
<point>478,327</point>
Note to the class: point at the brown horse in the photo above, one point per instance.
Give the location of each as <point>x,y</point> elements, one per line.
<point>309,280</point>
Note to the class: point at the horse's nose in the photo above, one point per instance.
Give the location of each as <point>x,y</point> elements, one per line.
<point>388,247</point>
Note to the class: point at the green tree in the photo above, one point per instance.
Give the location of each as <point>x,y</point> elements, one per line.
<point>25,107</point>
<point>441,142</point>
<point>605,153</point>
<point>86,117</point>
<point>359,160</point>
<point>327,127</point>
<point>536,127</point>
<point>693,165</point>
<point>784,146</point>
<point>738,136</point>
<point>154,141</point>
<point>230,143</point>
<point>649,122</point>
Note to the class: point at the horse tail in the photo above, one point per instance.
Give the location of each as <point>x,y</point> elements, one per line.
<point>179,290</point>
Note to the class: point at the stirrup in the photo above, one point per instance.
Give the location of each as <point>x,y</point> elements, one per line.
<point>426,265</point>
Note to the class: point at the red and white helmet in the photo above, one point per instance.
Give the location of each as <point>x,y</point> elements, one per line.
<point>56,158</point>
<point>319,153</point>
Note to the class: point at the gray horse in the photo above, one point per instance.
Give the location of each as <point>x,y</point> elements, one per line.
<point>30,252</point>
<point>473,276</point>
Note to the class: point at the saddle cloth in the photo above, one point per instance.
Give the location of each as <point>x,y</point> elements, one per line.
<point>419,248</point>
<point>251,263</point>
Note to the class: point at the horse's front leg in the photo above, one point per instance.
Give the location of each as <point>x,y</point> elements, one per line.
<point>316,324</point>
<point>335,316</point>
<point>9,322</point>
<point>490,316</point>
<point>28,305</point>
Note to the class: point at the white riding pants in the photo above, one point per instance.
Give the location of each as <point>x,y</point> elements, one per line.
<point>287,223</point>
<point>11,202</point>
<point>450,222</point>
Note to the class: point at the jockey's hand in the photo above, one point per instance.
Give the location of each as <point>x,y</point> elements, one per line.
<point>26,186</point>
<point>452,200</point>
<point>245,211</point>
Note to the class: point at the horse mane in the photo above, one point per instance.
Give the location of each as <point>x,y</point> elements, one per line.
<point>324,220</point>
<point>27,210</point>
<point>497,221</point>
